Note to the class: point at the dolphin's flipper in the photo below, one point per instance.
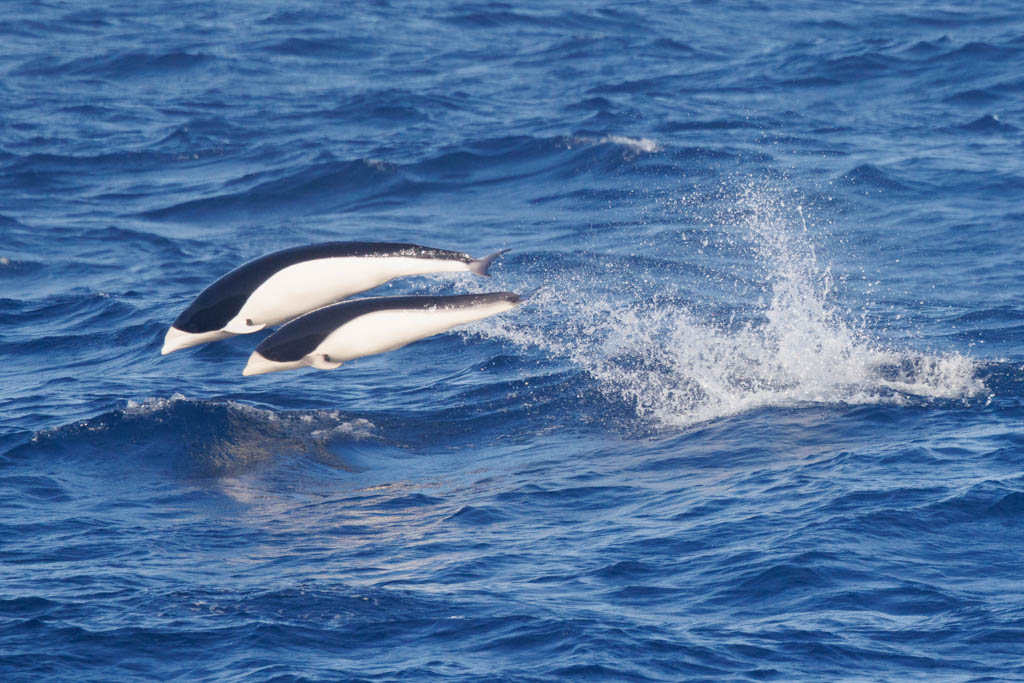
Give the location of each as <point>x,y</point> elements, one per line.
<point>321,361</point>
<point>240,326</point>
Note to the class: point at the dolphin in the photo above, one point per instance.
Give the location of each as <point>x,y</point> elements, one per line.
<point>285,284</point>
<point>329,336</point>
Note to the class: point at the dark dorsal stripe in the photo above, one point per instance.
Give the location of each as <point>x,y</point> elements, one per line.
<point>220,302</point>
<point>297,339</point>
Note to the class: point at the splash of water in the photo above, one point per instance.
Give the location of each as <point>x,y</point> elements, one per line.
<point>788,344</point>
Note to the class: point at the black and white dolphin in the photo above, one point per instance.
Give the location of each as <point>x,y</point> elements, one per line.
<point>285,284</point>
<point>327,337</point>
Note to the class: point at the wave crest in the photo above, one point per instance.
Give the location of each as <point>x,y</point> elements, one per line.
<point>196,438</point>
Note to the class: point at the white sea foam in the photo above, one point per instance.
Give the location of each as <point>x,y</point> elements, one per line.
<point>150,406</point>
<point>332,421</point>
<point>677,365</point>
<point>635,145</point>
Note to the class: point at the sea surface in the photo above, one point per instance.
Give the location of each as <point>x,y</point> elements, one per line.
<point>763,420</point>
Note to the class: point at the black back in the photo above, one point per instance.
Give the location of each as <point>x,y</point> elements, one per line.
<point>301,336</point>
<point>221,301</point>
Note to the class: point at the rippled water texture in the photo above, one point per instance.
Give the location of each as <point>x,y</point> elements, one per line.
<point>763,418</point>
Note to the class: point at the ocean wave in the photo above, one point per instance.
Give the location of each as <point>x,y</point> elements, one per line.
<point>811,68</point>
<point>117,65</point>
<point>489,16</point>
<point>974,96</point>
<point>322,186</point>
<point>716,124</point>
<point>68,310</point>
<point>989,123</point>
<point>326,48</point>
<point>648,85</point>
<point>870,176</point>
<point>336,185</point>
<point>54,167</point>
<point>200,137</point>
<point>970,54</point>
<point>999,501</point>
<point>199,438</point>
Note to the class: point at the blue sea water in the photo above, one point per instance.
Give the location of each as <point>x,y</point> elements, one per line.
<point>764,419</point>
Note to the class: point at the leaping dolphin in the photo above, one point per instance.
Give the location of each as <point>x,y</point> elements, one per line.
<point>285,284</point>
<point>327,337</point>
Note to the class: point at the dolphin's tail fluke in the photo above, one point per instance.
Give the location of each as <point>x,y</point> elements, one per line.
<point>528,296</point>
<point>481,265</point>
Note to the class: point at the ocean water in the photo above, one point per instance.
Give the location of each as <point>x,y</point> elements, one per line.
<point>764,419</point>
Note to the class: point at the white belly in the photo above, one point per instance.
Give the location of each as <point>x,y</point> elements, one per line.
<point>383,331</point>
